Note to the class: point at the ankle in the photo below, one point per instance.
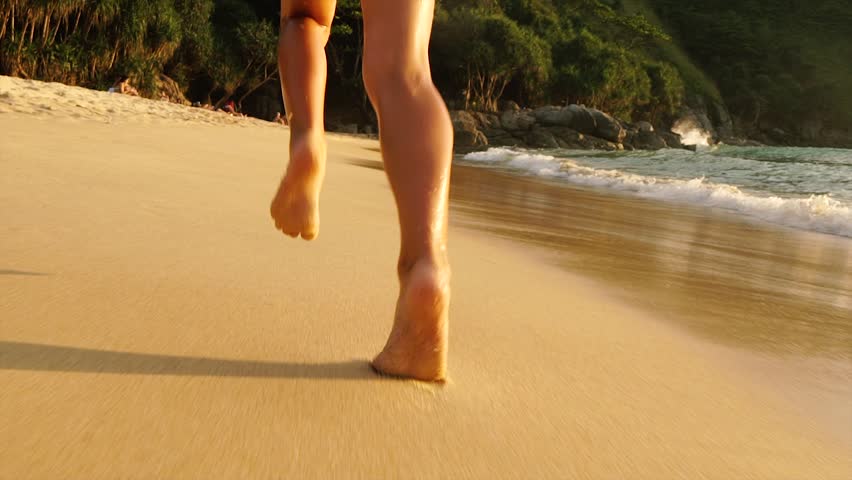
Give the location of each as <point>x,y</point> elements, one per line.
<point>298,132</point>
<point>307,153</point>
<point>435,261</point>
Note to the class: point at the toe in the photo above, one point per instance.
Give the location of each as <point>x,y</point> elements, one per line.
<point>310,234</point>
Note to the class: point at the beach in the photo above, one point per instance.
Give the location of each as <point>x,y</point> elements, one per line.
<point>154,324</point>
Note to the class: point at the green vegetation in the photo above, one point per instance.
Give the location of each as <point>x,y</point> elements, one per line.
<point>774,65</point>
<point>224,45</point>
<point>541,51</point>
<point>781,63</point>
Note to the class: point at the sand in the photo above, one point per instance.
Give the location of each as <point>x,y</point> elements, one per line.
<point>153,324</point>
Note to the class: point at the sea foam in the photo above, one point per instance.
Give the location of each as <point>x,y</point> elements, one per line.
<point>819,213</point>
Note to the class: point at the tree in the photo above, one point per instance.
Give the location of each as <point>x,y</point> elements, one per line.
<point>485,51</point>
<point>244,50</point>
<point>345,57</point>
<point>601,75</point>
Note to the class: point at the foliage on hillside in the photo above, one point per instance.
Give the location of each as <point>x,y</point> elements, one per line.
<point>542,51</point>
<point>773,63</point>
<point>91,42</point>
<point>777,63</point>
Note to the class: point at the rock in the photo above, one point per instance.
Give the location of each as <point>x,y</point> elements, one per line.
<point>463,121</point>
<point>721,119</point>
<point>517,121</point>
<point>595,143</point>
<point>487,121</point>
<point>541,138</point>
<point>504,140</point>
<point>780,136</point>
<point>672,139</point>
<point>607,127</point>
<point>495,133</point>
<point>553,116</point>
<point>467,136</point>
<point>647,141</point>
<point>574,127</point>
<point>468,141</point>
<point>509,105</point>
<point>567,138</point>
<point>644,127</point>
<point>581,119</point>
<point>694,124</point>
<point>593,122</point>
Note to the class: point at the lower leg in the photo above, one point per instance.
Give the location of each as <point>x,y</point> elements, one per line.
<point>417,161</point>
<point>302,67</point>
<point>416,142</point>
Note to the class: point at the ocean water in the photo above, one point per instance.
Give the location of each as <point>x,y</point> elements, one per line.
<point>807,188</point>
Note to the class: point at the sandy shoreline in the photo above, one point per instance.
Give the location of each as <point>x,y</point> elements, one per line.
<point>154,325</point>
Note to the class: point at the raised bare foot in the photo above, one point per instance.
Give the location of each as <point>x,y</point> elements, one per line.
<point>417,346</point>
<point>295,207</point>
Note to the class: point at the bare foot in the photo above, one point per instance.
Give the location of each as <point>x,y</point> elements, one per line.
<point>295,207</point>
<point>417,346</point>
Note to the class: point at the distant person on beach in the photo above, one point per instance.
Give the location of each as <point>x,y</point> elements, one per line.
<point>416,142</point>
<point>122,85</point>
<point>230,107</point>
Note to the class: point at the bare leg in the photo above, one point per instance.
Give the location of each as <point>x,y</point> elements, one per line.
<point>416,139</point>
<point>305,27</point>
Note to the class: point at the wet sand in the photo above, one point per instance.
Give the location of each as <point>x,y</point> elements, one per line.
<point>778,300</point>
<point>153,324</point>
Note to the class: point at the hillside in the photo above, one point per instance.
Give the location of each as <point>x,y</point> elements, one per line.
<point>779,66</point>
<point>775,71</point>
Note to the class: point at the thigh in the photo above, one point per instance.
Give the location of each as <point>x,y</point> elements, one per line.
<point>321,11</point>
<point>397,30</point>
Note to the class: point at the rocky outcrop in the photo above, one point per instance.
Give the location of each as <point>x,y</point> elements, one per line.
<point>696,124</point>
<point>706,118</point>
<point>722,120</point>
<point>704,122</point>
<point>607,127</point>
<point>571,127</point>
<point>672,140</point>
<point>585,120</point>
<point>468,136</point>
<point>520,121</point>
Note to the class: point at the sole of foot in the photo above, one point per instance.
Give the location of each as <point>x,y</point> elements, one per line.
<point>417,345</point>
<point>295,208</point>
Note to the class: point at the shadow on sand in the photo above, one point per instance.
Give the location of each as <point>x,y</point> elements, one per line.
<point>51,358</point>
<point>20,272</point>
<point>367,164</point>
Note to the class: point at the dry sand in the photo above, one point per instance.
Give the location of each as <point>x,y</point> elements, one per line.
<point>153,324</point>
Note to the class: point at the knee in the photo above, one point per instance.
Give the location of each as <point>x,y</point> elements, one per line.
<point>385,75</point>
<point>300,22</point>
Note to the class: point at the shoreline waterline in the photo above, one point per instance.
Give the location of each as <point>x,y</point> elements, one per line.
<point>805,188</point>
